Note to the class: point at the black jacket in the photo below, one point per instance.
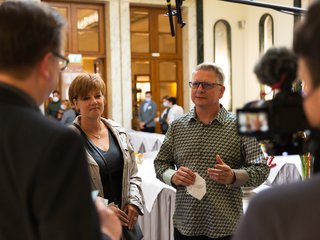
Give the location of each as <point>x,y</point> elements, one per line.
<point>44,180</point>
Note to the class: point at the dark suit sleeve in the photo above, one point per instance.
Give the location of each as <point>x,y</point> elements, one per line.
<point>61,200</point>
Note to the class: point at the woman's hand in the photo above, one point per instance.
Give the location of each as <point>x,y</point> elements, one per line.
<point>132,213</point>
<point>123,217</point>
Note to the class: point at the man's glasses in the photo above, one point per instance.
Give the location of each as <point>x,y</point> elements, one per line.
<point>63,61</point>
<point>205,85</point>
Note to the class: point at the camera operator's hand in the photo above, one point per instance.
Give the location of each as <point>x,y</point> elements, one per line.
<point>109,222</point>
<point>270,162</point>
<point>221,172</point>
<point>123,217</point>
<point>183,177</point>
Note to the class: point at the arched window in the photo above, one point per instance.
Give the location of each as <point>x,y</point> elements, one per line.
<point>265,32</point>
<point>222,56</point>
<point>265,42</point>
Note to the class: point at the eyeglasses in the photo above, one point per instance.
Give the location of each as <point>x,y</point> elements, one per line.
<point>205,85</point>
<point>63,61</point>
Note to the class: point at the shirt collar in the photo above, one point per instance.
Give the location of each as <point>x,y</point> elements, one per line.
<point>220,118</point>
<point>23,97</point>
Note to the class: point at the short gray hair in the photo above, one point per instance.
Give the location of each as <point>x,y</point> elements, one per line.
<point>211,67</point>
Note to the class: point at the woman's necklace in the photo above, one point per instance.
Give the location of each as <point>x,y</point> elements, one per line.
<point>97,136</point>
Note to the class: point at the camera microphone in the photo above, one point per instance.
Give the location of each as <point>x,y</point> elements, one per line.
<point>170,18</point>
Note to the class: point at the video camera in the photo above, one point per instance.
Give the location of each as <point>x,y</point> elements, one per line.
<point>278,121</point>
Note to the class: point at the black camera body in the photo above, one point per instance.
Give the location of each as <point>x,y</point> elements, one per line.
<point>278,121</point>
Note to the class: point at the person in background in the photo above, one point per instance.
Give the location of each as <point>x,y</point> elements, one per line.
<point>176,111</point>
<point>292,211</point>
<point>54,105</point>
<point>164,115</point>
<point>111,159</point>
<point>59,114</point>
<point>46,190</point>
<point>204,144</point>
<point>147,113</point>
<point>69,113</point>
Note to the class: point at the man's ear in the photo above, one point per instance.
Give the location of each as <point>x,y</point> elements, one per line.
<point>45,65</point>
<point>222,89</point>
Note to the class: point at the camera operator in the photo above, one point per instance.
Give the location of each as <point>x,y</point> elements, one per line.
<point>292,212</point>
<point>280,121</point>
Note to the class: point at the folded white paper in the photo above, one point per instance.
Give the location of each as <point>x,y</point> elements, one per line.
<point>198,189</point>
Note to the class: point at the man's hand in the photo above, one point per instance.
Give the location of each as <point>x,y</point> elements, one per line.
<point>109,222</point>
<point>221,173</point>
<point>183,177</point>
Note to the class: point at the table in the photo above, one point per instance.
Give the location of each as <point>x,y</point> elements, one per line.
<point>157,222</point>
<point>145,142</point>
<point>287,170</point>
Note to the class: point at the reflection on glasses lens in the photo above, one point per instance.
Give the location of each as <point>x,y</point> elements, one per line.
<point>63,61</point>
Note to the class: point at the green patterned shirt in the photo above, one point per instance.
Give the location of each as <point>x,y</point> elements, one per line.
<point>192,144</point>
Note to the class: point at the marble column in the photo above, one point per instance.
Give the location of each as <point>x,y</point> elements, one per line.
<point>114,84</point>
<point>119,98</point>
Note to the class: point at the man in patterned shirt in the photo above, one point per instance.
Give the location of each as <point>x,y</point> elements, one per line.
<point>205,141</point>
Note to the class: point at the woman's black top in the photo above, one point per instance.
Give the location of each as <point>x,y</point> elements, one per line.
<point>111,169</point>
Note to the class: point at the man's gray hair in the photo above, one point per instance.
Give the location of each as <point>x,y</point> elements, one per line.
<point>211,67</point>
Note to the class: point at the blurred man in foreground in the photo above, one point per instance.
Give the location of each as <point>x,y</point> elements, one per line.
<point>45,190</point>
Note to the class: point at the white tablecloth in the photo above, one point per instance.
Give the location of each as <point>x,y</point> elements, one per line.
<point>157,222</point>
<point>151,186</point>
<point>145,142</point>
<point>287,170</point>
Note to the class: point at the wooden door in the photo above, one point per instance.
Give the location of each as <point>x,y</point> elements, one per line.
<point>156,58</point>
<point>84,43</point>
